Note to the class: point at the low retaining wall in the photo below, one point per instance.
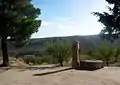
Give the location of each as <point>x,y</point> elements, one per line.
<point>91,64</point>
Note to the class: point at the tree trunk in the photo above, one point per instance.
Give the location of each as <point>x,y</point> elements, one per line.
<point>4,51</point>
<point>107,63</point>
<point>61,64</point>
<point>116,58</point>
<point>53,61</point>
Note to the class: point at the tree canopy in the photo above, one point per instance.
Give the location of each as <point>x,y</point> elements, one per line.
<point>110,20</point>
<point>18,20</point>
<point>59,51</point>
<point>105,52</point>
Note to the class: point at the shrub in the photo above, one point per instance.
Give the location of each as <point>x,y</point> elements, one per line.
<point>37,60</point>
<point>117,53</point>
<point>29,59</point>
<point>104,52</point>
<point>60,52</point>
<point>32,59</point>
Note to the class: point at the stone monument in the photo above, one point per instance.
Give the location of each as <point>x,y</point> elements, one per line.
<point>85,64</point>
<point>75,55</point>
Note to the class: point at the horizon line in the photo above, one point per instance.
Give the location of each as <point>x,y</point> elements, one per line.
<point>62,36</point>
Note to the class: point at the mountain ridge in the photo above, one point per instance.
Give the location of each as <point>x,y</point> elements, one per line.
<point>37,44</point>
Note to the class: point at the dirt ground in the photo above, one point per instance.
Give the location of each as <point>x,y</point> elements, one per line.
<point>105,76</point>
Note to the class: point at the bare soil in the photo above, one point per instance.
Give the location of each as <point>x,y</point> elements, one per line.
<point>56,76</point>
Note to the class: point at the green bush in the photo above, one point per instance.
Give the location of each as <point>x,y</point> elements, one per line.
<point>85,57</point>
<point>46,59</point>
<point>60,52</point>
<point>37,60</point>
<point>29,59</point>
<point>117,54</point>
<point>105,52</point>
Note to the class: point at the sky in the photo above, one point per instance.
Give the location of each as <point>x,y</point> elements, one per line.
<point>68,17</point>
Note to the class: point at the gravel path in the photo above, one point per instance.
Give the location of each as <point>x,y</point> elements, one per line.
<point>105,76</point>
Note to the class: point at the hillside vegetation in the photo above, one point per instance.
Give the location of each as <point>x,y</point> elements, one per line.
<point>54,50</point>
<point>36,46</point>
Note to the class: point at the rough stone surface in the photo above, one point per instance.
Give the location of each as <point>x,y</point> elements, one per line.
<point>75,55</point>
<point>91,64</point>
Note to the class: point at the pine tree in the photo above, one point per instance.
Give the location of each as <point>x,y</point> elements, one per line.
<point>17,21</point>
<point>110,20</point>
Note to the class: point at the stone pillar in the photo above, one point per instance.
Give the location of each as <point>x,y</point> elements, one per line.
<point>78,52</point>
<point>75,55</point>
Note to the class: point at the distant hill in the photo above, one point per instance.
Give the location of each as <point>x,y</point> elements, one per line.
<point>37,45</point>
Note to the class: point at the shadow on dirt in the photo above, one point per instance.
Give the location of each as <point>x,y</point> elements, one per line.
<point>4,69</point>
<point>42,68</point>
<point>52,72</point>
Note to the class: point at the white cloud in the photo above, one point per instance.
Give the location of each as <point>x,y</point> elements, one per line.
<point>45,23</point>
<point>79,21</point>
<point>69,27</point>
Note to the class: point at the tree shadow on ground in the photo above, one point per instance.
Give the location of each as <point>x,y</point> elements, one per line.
<point>52,72</point>
<point>42,68</point>
<point>34,68</point>
<point>4,69</point>
<point>22,68</point>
